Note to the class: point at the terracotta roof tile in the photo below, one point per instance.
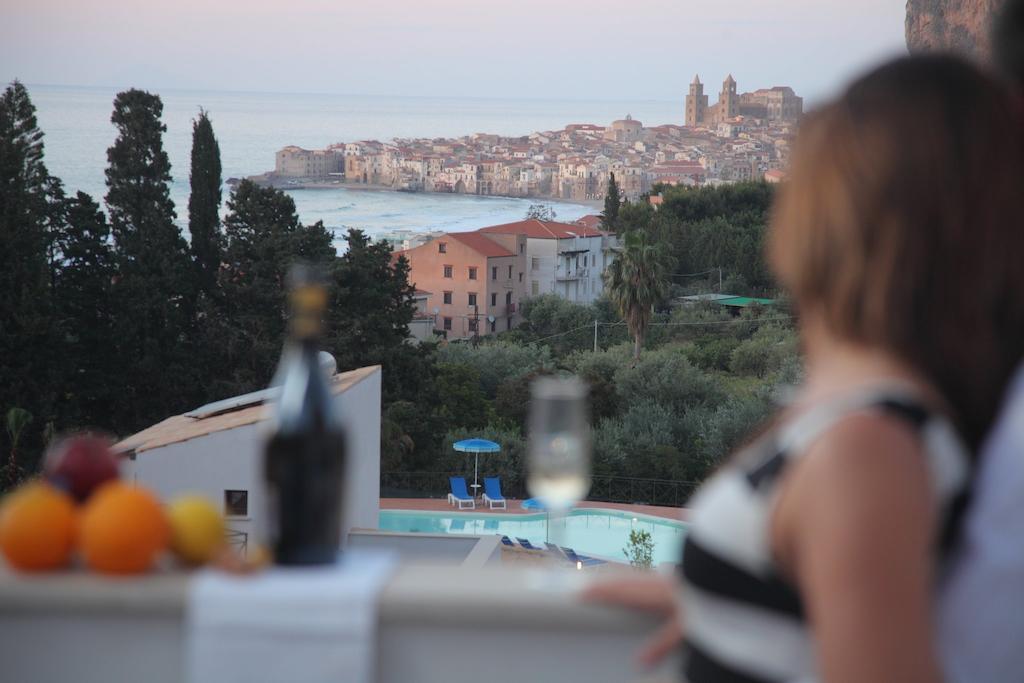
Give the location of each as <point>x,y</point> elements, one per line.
<point>481,244</point>
<point>538,229</point>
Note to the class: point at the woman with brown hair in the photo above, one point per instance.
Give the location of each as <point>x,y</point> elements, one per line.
<point>813,554</point>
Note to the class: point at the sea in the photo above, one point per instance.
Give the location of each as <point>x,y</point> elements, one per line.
<point>251,127</point>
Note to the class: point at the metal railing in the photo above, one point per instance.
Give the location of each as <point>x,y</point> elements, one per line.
<point>238,540</point>
<point>603,488</point>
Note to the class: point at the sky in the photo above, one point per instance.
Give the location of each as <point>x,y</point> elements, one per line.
<point>540,49</point>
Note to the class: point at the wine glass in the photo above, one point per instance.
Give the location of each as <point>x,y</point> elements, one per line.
<point>559,446</point>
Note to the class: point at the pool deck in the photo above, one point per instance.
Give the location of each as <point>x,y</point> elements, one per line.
<point>515,507</point>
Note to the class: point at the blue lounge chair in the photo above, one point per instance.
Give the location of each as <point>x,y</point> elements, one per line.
<point>586,561</point>
<point>527,545</point>
<point>570,555</point>
<point>458,495</point>
<point>492,493</point>
<point>505,540</point>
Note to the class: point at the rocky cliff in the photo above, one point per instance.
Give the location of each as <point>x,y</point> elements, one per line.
<point>958,25</point>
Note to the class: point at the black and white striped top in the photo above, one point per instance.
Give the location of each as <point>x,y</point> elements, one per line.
<point>745,623</point>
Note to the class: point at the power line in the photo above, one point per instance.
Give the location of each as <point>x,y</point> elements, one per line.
<point>703,272</point>
<point>562,334</point>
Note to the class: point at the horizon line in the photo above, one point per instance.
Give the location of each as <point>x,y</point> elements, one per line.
<point>342,94</point>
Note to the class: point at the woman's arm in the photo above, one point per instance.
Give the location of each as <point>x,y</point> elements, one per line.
<point>647,592</point>
<point>854,526</point>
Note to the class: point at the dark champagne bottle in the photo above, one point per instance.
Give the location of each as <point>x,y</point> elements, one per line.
<point>305,456</point>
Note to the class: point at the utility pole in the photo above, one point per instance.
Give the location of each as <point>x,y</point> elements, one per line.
<point>595,335</point>
<point>719,279</point>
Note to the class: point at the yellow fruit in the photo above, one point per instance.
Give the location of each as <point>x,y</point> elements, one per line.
<point>197,529</point>
<point>123,529</point>
<point>37,527</point>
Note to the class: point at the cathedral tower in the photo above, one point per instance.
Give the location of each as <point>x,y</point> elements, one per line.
<point>728,100</point>
<point>696,103</point>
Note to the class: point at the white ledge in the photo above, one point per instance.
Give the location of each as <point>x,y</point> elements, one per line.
<point>437,623</point>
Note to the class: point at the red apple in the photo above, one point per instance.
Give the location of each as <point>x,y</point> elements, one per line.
<point>80,463</point>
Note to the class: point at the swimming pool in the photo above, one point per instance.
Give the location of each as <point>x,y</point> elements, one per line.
<point>589,531</point>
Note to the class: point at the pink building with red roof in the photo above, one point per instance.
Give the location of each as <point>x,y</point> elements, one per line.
<point>471,283</point>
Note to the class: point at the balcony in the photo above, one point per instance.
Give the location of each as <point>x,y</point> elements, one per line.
<point>437,623</point>
<point>578,274</point>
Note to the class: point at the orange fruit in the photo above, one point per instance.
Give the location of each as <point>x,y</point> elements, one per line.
<point>122,529</point>
<point>37,527</point>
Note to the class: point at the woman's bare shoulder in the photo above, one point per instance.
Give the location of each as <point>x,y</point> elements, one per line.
<point>863,482</point>
<point>864,449</point>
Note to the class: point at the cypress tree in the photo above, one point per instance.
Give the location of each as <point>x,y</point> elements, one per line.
<point>263,237</point>
<point>204,202</point>
<point>155,289</point>
<point>610,215</point>
<point>26,189</point>
<point>82,282</point>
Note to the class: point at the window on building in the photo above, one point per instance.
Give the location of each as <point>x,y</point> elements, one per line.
<point>494,298</point>
<point>522,247</point>
<point>508,298</point>
<point>447,323</point>
<point>447,297</point>
<point>520,277</point>
<point>236,503</point>
<point>472,273</point>
<point>472,298</point>
<point>534,288</point>
<point>510,272</point>
<point>493,322</point>
<point>448,271</point>
<point>442,247</point>
<point>472,324</point>
<point>494,272</point>
<point>534,263</point>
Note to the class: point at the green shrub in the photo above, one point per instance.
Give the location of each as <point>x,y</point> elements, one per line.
<point>640,549</point>
<point>497,361</point>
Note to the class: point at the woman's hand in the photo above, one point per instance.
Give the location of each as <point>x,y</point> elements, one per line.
<point>646,593</point>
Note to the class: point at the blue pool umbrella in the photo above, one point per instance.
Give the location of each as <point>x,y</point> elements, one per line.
<point>476,446</point>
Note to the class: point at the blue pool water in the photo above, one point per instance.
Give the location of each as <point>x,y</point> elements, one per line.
<point>590,531</point>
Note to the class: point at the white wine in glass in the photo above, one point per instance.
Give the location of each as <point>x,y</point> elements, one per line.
<point>559,444</point>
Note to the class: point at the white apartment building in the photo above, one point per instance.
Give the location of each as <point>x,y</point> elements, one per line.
<point>562,258</point>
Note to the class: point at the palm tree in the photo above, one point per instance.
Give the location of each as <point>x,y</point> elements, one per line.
<point>638,279</point>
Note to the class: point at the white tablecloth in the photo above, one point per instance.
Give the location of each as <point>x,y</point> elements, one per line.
<point>293,625</point>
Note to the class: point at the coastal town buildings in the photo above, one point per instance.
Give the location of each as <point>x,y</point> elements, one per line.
<point>296,162</point>
<point>470,283</point>
<point>740,137</point>
<point>562,258</point>
<point>403,239</point>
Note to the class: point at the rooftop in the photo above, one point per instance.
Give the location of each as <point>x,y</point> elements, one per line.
<point>538,229</point>
<point>237,412</point>
<point>481,243</point>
